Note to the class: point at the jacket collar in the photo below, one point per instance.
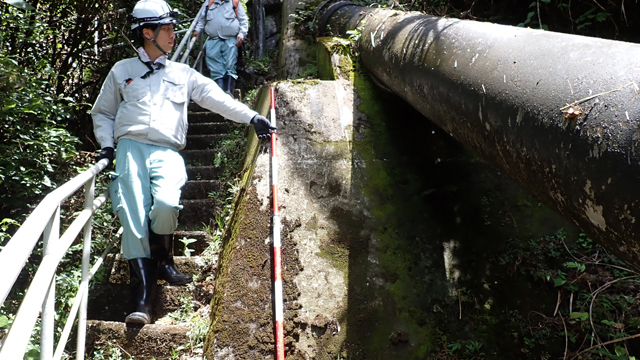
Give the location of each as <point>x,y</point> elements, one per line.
<point>144,57</point>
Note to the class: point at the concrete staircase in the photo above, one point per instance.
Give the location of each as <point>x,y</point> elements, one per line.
<point>168,337</point>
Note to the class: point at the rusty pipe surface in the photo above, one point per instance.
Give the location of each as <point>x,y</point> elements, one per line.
<point>503,91</point>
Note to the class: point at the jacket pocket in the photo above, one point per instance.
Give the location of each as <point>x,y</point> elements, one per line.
<point>170,122</point>
<point>175,92</point>
<point>134,91</point>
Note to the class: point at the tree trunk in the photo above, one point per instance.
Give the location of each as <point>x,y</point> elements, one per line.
<point>258,29</point>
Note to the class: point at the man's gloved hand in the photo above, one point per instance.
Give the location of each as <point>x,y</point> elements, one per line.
<point>262,126</point>
<point>106,153</point>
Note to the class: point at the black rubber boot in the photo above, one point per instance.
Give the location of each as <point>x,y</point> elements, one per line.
<point>221,83</point>
<point>162,251</point>
<point>231,84</point>
<point>143,275</point>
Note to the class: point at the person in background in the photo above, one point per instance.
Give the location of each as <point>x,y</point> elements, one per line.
<point>142,107</point>
<point>225,21</point>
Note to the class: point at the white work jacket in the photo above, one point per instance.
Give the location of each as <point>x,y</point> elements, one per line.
<point>221,21</point>
<point>154,110</point>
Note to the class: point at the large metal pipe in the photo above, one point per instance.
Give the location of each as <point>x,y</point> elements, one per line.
<point>503,91</point>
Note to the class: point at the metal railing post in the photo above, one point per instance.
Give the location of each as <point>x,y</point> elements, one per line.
<point>187,37</point>
<point>50,237</point>
<point>89,194</point>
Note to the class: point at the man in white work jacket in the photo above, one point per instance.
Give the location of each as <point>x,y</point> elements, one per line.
<point>226,23</point>
<point>142,107</point>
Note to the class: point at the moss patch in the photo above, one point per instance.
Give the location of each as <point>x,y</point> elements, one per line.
<point>242,317</point>
<point>333,57</point>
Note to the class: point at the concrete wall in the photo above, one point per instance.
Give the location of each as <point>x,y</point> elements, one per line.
<point>384,220</point>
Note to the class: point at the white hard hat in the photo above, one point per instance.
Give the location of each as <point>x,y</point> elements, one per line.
<point>152,12</point>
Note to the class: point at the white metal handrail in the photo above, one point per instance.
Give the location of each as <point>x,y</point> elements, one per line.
<point>15,253</point>
<point>45,220</point>
<point>186,38</point>
<point>190,42</point>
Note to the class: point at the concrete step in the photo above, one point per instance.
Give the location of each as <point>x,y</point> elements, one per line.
<point>203,172</point>
<point>116,268</point>
<point>197,213</point>
<point>200,189</point>
<point>210,128</point>
<point>113,302</point>
<point>153,341</point>
<point>198,157</point>
<point>205,116</point>
<point>202,142</point>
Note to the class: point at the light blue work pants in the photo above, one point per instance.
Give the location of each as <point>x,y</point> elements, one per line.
<point>147,188</point>
<point>222,55</point>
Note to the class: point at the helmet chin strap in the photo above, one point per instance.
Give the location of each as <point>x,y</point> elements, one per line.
<point>153,41</point>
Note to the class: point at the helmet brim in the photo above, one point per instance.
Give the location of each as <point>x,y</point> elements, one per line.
<point>164,19</point>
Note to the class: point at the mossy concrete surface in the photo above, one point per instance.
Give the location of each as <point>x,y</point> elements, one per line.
<point>390,234</point>
<point>333,60</point>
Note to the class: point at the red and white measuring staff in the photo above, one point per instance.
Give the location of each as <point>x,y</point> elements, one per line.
<point>277,259</point>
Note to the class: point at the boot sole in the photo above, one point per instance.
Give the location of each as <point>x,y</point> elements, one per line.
<point>178,282</point>
<point>137,318</point>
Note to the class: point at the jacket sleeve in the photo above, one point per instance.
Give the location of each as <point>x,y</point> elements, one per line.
<point>104,111</point>
<point>242,19</point>
<point>200,24</point>
<point>207,94</point>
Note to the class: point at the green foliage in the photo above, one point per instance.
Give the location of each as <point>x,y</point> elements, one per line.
<point>109,351</point>
<point>588,17</point>
<point>265,66</point>
<point>5,224</point>
<point>198,332</point>
<point>581,17</point>
<point>187,252</point>
<point>472,349</point>
<point>229,151</point>
<point>216,233</point>
<point>302,19</point>
<point>32,121</point>
<point>308,72</point>
<point>596,296</point>
<point>533,16</point>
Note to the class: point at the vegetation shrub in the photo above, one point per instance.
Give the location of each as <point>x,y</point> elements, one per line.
<point>36,142</point>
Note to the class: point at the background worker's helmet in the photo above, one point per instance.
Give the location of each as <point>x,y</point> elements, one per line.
<point>152,12</point>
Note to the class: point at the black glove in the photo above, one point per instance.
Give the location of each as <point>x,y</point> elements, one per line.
<point>106,153</point>
<point>262,126</point>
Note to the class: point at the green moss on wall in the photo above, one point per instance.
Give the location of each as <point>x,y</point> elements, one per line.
<point>232,227</point>
<point>339,49</point>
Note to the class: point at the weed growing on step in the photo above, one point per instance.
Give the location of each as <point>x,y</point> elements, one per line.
<point>229,154</point>
<point>199,329</point>
<point>199,322</point>
<point>187,251</point>
<point>250,96</point>
<point>184,314</point>
<point>216,234</point>
<point>109,351</point>
<point>229,151</point>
